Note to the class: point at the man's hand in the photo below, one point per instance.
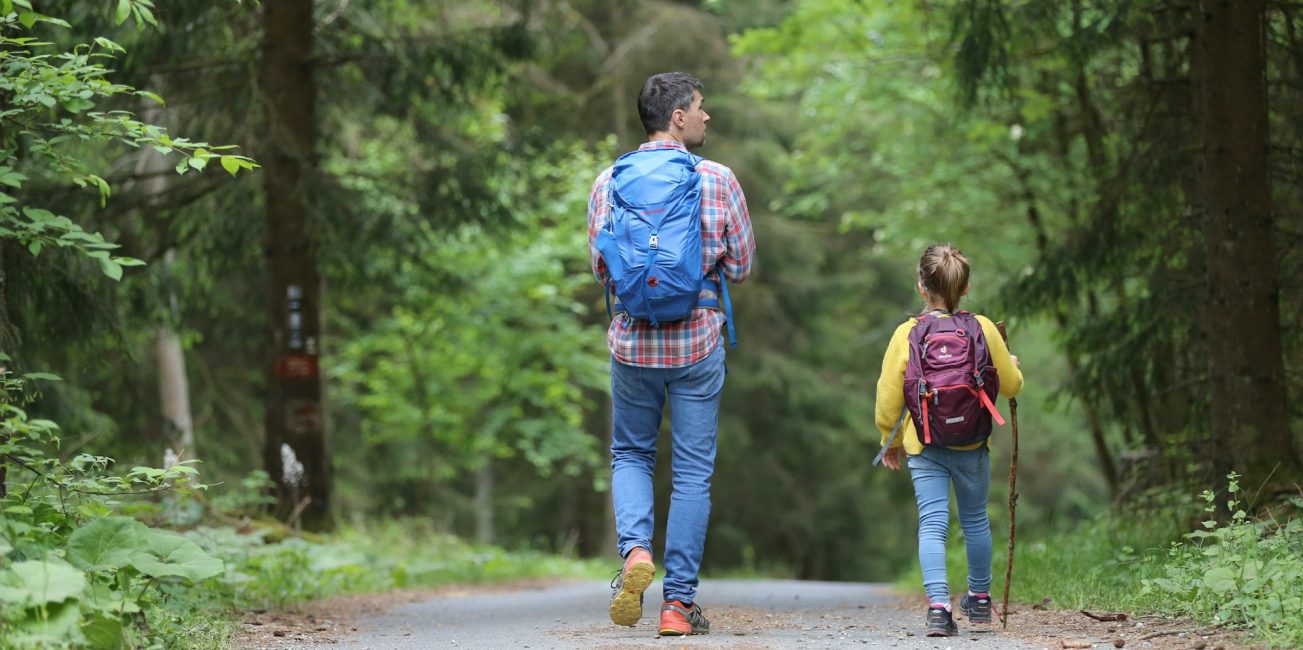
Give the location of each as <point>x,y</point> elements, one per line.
<point>892,459</point>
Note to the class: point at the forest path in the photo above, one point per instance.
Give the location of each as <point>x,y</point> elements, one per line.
<point>778,614</point>
<point>743,614</point>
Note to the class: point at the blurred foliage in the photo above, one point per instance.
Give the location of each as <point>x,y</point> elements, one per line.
<point>464,350</point>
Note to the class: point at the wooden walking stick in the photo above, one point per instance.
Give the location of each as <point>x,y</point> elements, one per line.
<point>1013,493</point>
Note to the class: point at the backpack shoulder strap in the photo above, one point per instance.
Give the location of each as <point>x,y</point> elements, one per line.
<point>981,357</point>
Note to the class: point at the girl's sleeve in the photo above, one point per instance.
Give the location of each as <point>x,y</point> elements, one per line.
<point>1010,375</point>
<point>891,383</point>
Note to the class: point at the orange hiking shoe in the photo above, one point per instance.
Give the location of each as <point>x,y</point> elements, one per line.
<point>680,620</point>
<point>628,585</point>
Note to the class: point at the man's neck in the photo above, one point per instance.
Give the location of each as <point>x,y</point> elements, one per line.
<point>662,136</point>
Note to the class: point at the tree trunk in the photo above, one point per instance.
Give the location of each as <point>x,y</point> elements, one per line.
<point>484,503</point>
<point>294,395</point>
<point>174,391</point>
<point>173,385</point>
<point>1249,418</point>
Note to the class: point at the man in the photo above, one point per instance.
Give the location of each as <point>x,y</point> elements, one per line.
<point>681,359</point>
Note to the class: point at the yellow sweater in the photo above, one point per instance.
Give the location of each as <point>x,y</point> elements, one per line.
<point>891,385</point>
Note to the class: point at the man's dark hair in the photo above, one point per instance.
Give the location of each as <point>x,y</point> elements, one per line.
<point>663,94</point>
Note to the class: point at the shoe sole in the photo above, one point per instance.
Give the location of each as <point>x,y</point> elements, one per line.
<point>681,631</point>
<point>673,631</point>
<point>940,634</point>
<point>626,607</point>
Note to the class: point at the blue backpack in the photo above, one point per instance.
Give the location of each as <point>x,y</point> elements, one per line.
<point>651,242</point>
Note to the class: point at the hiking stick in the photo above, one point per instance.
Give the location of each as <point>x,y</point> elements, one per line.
<point>1013,493</point>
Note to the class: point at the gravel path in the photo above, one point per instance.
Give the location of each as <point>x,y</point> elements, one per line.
<point>743,614</point>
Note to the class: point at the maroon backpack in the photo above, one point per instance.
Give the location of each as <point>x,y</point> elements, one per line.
<point>950,384</point>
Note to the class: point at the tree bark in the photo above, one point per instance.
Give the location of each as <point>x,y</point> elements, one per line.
<point>1249,418</point>
<point>173,384</point>
<point>484,503</point>
<point>174,391</point>
<point>294,416</point>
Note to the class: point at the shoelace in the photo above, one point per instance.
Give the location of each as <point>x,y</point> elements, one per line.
<point>615,581</point>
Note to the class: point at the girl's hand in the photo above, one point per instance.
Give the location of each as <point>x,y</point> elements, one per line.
<point>1016,363</point>
<point>892,459</point>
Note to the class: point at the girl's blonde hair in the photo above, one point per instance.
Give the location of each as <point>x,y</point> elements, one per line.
<point>943,272</point>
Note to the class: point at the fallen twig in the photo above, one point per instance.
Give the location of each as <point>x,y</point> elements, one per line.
<point>1112,616</point>
<point>1155,635</point>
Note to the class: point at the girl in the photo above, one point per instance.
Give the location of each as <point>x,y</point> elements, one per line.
<point>942,281</point>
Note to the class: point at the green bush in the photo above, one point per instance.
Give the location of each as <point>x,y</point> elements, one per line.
<point>1243,572</point>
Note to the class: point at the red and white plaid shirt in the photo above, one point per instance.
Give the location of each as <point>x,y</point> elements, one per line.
<point>727,244</point>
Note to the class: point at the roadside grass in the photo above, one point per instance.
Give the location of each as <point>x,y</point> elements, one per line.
<point>1241,573</point>
<point>367,558</point>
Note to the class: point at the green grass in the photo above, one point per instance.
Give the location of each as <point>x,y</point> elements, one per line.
<point>1242,573</point>
<point>370,558</point>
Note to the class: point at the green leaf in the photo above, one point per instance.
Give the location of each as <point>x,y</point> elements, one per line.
<point>27,18</point>
<point>1220,579</point>
<point>169,554</point>
<point>36,582</point>
<point>12,178</point>
<point>104,599</point>
<point>231,164</point>
<point>111,269</point>
<point>7,7</point>
<point>108,45</point>
<point>155,97</point>
<point>146,14</point>
<point>122,13</point>
<point>197,162</point>
<point>55,627</point>
<point>103,632</point>
<point>35,248</point>
<point>107,543</point>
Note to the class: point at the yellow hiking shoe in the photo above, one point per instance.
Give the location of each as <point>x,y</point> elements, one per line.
<point>628,585</point>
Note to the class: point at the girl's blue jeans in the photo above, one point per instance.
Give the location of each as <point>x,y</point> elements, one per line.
<point>638,397</point>
<point>933,472</point>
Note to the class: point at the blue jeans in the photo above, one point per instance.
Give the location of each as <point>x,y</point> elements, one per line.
<point>933,472</point>
<point>637,400</point>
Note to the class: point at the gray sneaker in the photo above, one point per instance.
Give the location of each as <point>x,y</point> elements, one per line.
<point>940,622</point>
<point>976,607</point>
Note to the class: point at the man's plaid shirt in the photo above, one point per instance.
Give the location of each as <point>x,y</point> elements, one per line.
<point>727,245</point>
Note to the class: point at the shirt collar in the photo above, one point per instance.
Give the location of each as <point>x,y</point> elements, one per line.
<point>662,144</point>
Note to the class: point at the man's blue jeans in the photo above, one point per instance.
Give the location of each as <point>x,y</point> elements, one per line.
<point>933,471</point>
<point>637,400</point>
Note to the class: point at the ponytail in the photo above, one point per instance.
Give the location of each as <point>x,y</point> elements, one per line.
<point>943,272</point>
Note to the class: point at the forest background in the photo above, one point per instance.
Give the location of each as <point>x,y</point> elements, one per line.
<point>391,285</point>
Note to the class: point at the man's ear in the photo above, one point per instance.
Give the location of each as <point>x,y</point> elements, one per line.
<point>676,118</point>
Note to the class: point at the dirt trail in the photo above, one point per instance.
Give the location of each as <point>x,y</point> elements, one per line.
<point>743,613</point>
